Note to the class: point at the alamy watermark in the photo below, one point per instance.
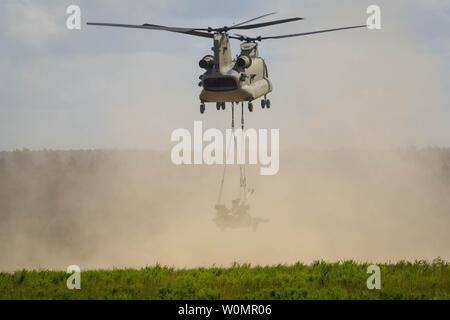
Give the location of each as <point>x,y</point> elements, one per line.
<point>374,19</point>
<point>374,280</point>
<point>231,149</point>
<point>74,280</point>
<point>73,22</point>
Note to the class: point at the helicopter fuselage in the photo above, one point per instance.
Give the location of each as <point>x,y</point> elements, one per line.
<point>226,80</point>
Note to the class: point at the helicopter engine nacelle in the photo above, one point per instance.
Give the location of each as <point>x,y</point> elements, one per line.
<point>243,62</point>
<point>207,62</point>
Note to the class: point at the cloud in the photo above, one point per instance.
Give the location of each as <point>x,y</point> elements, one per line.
<point>30,22</point>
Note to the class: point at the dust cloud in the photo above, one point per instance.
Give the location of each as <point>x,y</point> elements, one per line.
<point>344,104</point>
<point>131,208</point>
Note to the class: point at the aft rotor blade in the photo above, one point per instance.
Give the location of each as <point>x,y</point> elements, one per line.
<point>189,31</point>
<point>265,24</point>
<point>308,33</point>
<point>260,17</point>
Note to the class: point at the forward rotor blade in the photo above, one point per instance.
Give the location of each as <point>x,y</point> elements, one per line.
<point>260,17</point>
<point>152,27</point>
<point>189,31</point>
<point>308,33</point>
<point>265,24</point>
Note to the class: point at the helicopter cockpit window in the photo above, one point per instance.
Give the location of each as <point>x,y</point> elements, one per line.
<point>220,84</point>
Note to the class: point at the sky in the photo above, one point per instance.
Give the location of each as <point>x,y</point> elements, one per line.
<point>124,88</point>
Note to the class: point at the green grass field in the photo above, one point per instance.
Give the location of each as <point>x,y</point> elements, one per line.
<point>320,280</point>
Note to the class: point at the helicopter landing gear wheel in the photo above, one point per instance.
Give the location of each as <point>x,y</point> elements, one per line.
<point>263,103</point>
<point>268,104</point>
<point>202,108</point>
<point>223,105</point>
<point>250,107</point>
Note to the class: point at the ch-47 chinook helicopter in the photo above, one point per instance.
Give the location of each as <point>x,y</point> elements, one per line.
<point>243,79</point>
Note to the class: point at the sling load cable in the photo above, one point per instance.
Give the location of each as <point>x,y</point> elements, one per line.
<point>219,200</point>
<point>242,173</point>
<point>243,179</point>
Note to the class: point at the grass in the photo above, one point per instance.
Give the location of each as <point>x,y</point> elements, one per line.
<point>320,280</point>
